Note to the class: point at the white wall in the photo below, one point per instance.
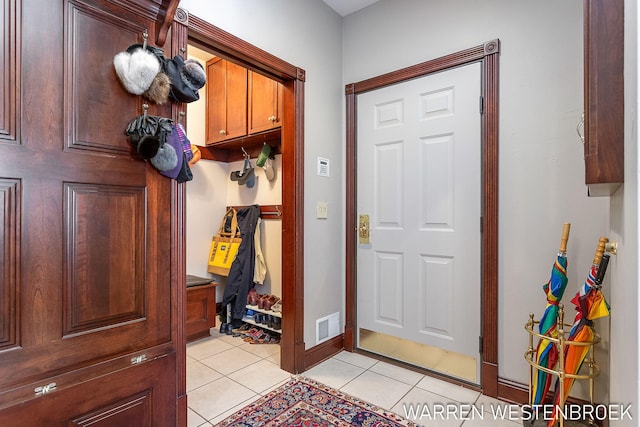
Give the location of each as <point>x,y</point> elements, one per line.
<point>307,34</point>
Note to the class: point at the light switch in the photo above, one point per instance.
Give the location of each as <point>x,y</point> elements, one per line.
<point>322,210</point>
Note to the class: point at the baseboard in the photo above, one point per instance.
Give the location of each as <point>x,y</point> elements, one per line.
<point>323,351</point>
<point>515,392</point>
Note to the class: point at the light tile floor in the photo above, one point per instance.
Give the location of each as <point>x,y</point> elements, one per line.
<point>225,374</point>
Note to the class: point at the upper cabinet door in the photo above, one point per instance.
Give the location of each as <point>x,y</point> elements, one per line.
<point>226,101</point>
<point>85,225</point>
<point>604,95</point>
<point>265,109</point>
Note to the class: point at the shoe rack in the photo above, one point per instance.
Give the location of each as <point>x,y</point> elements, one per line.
<point>257,310</point>
<point>562,344</point>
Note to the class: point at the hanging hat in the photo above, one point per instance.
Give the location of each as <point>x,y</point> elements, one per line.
<point>264,155</point>
<point>197,155</point>
<point>159,90</point>
<point>136,70</point>
<point>175,147</point>
<point>182,89</point>
<point>193,74</point>
<point>185,173</point>
<point>269,171</point>
<point>166,159</point>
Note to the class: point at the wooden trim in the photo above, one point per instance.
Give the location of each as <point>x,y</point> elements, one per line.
<point>321,352</point>
<point>203,34</point>
<point>488,55</point>
<point>490,220</point>
<point>233,48</point>
<point>351,225</point>
<point>266,211</point>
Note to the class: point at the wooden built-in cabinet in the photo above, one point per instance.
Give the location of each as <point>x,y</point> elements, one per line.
<point>226,101</point>
<point>91,325</point>
<point>244,110</point>
<point>603,96</point>
<point>265,103</point>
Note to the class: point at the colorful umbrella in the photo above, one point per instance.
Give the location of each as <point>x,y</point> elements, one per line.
<point>590,305</point>
<point>547,351</point>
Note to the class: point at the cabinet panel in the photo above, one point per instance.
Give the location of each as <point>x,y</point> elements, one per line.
<point>133,397</point>
<point>604,95</point>
<point>265,109</point>
<point>226,101</point>
<point>9,78</point>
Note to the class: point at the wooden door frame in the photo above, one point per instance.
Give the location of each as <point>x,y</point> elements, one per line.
<point>488,55</point>
<point>292,347</point>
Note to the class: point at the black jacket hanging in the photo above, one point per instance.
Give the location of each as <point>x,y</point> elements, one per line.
<point>240,279</point>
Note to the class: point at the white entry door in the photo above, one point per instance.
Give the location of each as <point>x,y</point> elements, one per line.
<point>419,180</point>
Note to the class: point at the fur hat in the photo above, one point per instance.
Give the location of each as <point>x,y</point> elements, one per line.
<point>158,92</point>
<point>147,146</point>
<point>193,74</point>
<point>136,70</point>
<point>182,90</point>
<point>173,141</point>
<point>166,159</point>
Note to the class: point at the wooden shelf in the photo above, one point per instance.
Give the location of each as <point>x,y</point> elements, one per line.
<point>260,310</point>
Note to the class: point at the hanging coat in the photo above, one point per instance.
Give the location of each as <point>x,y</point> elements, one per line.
<point>240,278</point>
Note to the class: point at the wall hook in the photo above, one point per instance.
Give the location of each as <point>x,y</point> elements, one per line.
<point>145,108</point>
<point>246,155</point>
<point>145,38</point>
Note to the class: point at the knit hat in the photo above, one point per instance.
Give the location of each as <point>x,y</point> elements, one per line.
<point>136,70</point>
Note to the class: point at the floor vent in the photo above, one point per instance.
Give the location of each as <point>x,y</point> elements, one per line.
<point>327,327</point>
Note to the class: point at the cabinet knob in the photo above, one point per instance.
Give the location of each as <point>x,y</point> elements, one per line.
<point>272,119</point>
<point>223,132</point>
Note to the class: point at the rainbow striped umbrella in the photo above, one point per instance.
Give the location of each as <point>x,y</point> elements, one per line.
<point>590,305</point>
<point>547,351</point>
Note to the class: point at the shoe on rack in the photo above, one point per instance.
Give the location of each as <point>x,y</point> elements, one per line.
<point>277,323</point>
<point>270,302</point>
<point>277,306</point>
<point>262,299</point>
<point>252,297</point>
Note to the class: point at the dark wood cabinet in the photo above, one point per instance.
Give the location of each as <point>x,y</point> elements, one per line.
<point>89,323</point>
<point>201,310</point>
<point>603,96</point>
<point>226,116</point>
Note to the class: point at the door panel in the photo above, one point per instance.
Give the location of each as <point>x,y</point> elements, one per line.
<point>419,178</point>
<point>86,226</point>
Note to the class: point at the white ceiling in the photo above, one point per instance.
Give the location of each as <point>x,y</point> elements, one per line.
<point>345,7</point>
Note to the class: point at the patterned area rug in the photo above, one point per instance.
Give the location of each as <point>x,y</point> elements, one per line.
<point>303,402</point>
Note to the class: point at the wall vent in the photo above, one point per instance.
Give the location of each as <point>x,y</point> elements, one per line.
<point>327,327</point>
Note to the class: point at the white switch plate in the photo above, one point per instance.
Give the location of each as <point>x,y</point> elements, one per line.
<point>322,210</point>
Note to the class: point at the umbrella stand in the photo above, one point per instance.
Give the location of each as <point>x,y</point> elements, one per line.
<point>563,343</point>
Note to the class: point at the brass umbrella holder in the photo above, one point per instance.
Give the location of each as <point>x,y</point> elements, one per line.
<point>562,343</point>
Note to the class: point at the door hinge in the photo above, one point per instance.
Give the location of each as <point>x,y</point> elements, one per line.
<point>480,345</point>
<point>482,224</point>
<point>481,104</point>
